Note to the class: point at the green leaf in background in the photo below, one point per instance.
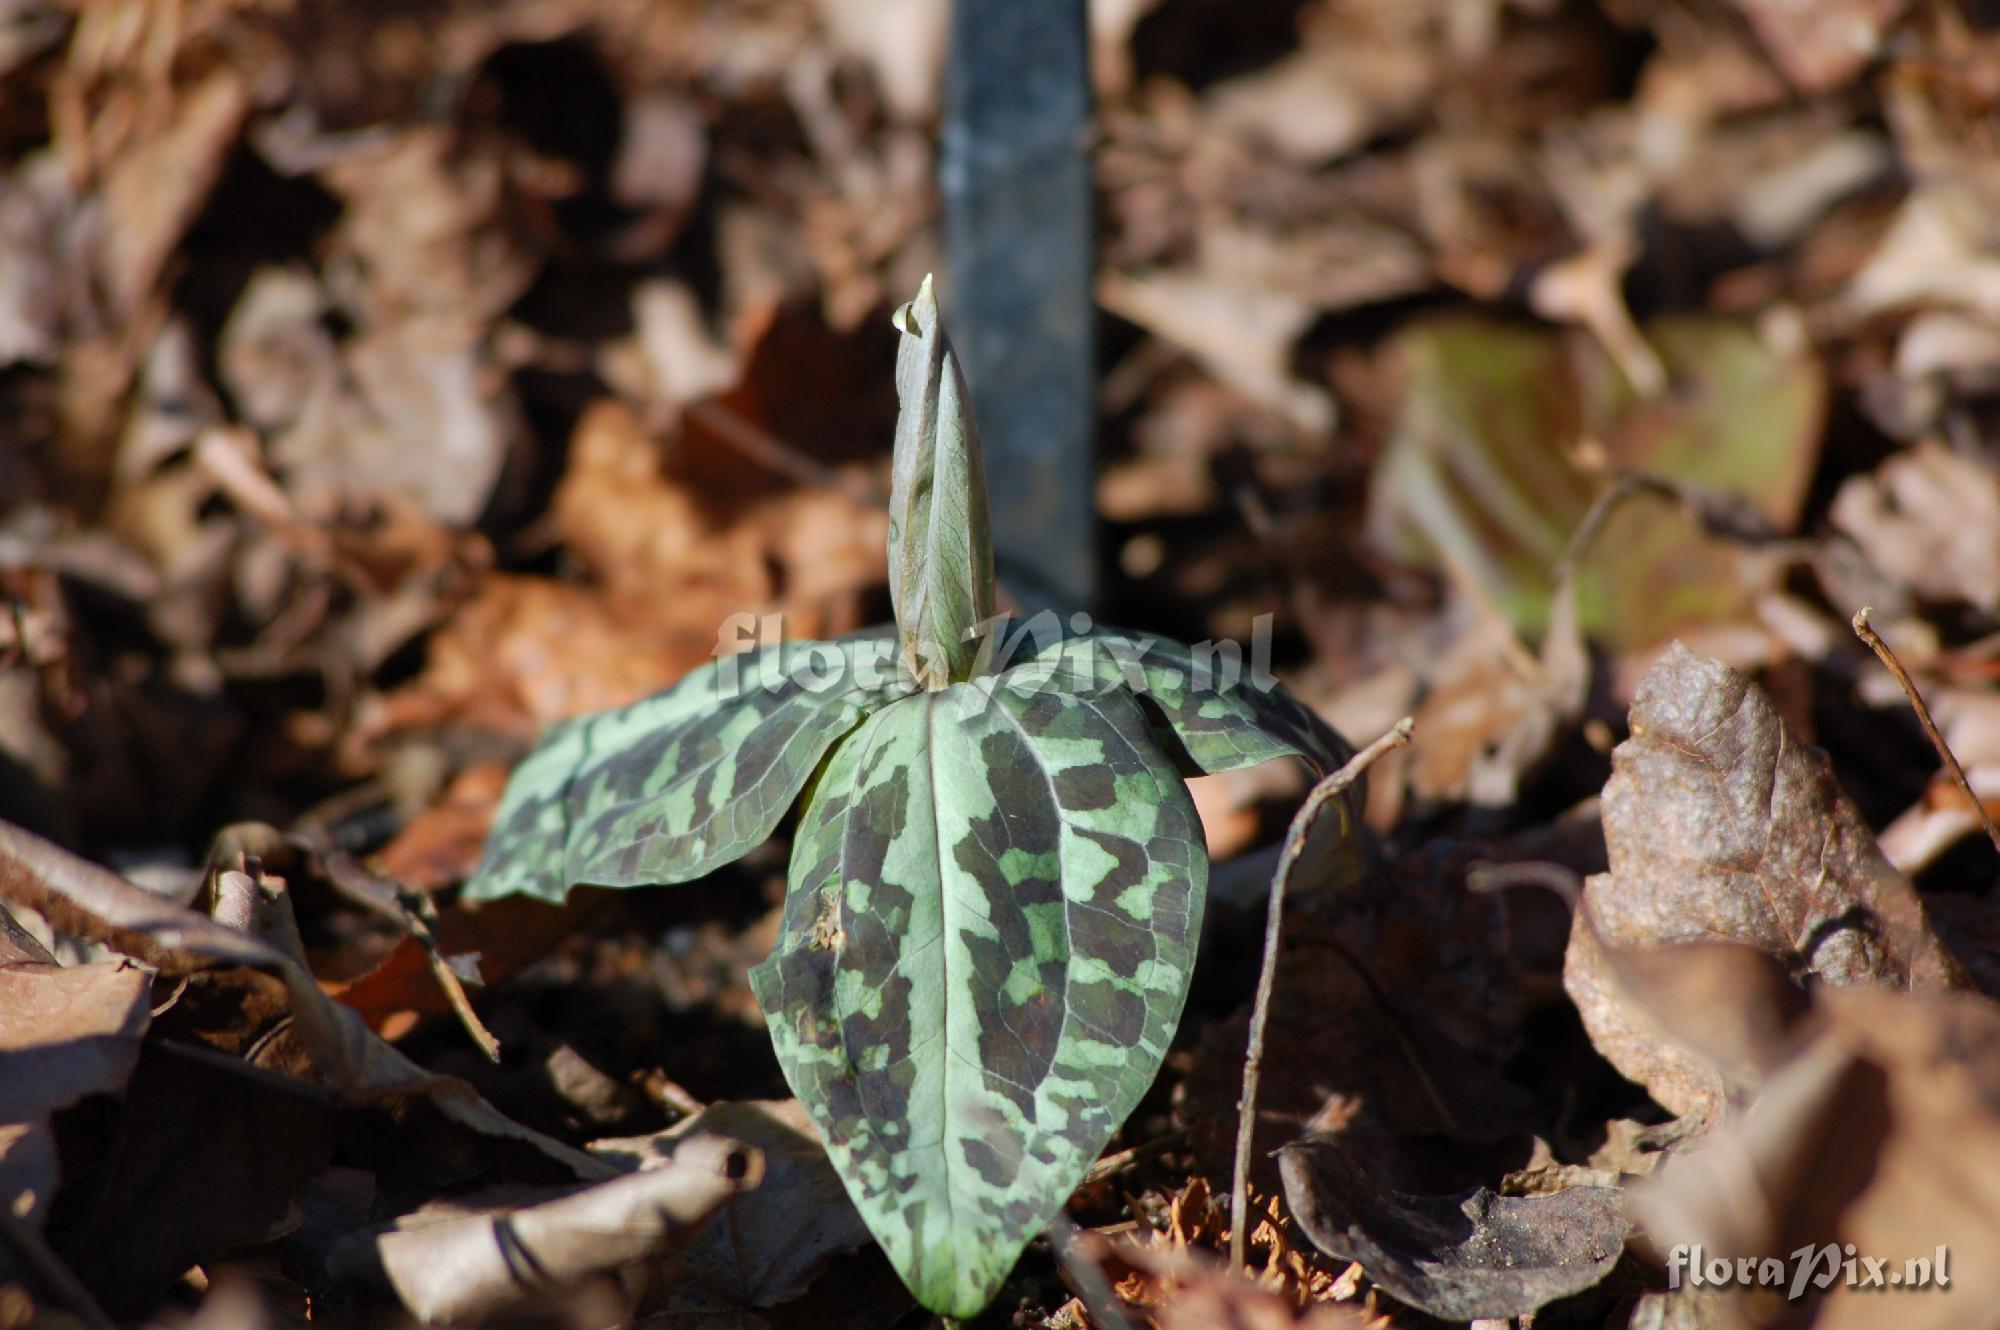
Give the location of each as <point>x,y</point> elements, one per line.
<point>995,898</point>
<point>1479,474</point>
<point>680,783</point>
<point>940,553</point>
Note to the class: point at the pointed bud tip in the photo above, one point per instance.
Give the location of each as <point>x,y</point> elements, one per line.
<point>918,315</point>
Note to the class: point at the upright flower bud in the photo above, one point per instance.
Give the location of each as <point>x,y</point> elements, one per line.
<point>940,551</point>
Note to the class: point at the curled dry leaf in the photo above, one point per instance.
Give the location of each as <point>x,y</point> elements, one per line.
<point>446,1265</point>
<point>1720,826</point>
<point>80,898</point>
<point>1883,1133</point>
<point>1734,1008</point>
<point>1462,1257</point>
<point>766,1245</point>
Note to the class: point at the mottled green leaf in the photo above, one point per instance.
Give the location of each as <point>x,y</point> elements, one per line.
<point>995,897</point>
<point>940,552</point>
<point>1219,711</point>
<point>679,784</point>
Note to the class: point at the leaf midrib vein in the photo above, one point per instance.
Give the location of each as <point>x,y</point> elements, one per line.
<point>944,966</point>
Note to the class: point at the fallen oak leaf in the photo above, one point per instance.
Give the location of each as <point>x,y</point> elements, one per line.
<point>1722,827</point>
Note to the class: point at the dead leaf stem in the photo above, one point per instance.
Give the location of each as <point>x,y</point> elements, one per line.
<point>1866,632</point>
<point>413,912</point>
<point>1295,840</point>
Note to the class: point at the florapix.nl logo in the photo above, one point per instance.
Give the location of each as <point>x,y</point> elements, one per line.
<point>1813,1267</point>
<point>1045,651</point>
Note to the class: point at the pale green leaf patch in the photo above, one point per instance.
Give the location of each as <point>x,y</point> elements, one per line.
<point>680,783</point>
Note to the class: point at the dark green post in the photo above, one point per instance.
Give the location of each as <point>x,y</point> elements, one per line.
<point>1017,197</point>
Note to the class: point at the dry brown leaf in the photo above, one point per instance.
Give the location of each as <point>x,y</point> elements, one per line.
<point>659,170</point>
<point>1884,1134</point>
<point>428,229</point>
<point>672,358</point>
<point>220,1153</point>
<point>1823,44</point>
<point>445,1264</point>
<point>1733,1007</point>
<point>1459,1257</point>
<point>1927,518</point>
<point>1182,1287</point>
<point>526,652</point>
<point>33,200</point>
<point>1495,714</point>
<point>1330,97</point>
<point>1394,1010</point>
<point>676,565</point>
<point>153,191</point>
<point>765,1246</point>
<point>1722,827</point>
<point>83,899</point>
<point>1933,255</point>
<point>902,41</point>
<point>500,937</point>
<point>1242,334</point>
<point>65,1032</point>
<point>654,536</point>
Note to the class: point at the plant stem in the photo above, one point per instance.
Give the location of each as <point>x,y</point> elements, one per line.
<point>1295,841</point>
<point>1866,632</point>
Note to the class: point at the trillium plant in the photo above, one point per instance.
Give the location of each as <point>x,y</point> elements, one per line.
<point>997,881</point>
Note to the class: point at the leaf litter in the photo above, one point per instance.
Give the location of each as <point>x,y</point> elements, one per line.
<point>382,388</point>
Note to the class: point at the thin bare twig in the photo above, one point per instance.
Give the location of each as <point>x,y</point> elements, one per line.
<point>1295,842</point>
<point>1866,632</point>
<point>1114,1164</point>
<point>1560,879</point>
<point>416,915</point>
